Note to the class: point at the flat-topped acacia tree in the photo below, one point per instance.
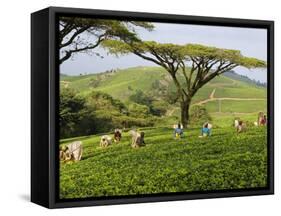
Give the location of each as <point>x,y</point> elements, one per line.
<point>78,35</point>
<point>190,66</point>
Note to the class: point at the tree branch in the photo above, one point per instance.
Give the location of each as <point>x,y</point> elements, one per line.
<point>70,52</point>
<point>148,58</point>
<point>68,27</point>
<point>198,75</point>
<point>75,34</point>
<point>184,74</point>
<point>181,91</point>
<point>220,71</point>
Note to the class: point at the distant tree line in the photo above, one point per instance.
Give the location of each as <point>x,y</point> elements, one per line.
<point>236,76</point>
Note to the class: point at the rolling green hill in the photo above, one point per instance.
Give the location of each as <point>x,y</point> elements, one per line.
<point>223,94</point>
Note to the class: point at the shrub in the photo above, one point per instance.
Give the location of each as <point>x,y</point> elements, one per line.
<point>138,110</point>
<point>199,115</point>
<point>159,108</point>
<point>72,108</point>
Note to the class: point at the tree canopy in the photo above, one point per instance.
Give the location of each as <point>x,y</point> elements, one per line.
<point>83,34</point>
<point>174,54</point>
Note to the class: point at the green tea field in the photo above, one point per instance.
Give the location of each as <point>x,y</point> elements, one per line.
<point>226,160</point>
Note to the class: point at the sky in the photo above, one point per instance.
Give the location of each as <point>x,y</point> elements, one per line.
<point>252,42</point>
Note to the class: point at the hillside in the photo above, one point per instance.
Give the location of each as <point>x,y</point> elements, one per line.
<point>223,94</point>
<point>236,76</point>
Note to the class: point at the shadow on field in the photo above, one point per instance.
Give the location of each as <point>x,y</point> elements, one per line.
<point>75,139</point>
<point>95,154</point>
<point>89,156</point>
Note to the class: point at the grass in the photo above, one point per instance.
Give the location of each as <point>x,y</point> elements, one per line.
<point>227,119</point>
<point>241,92</point>
<point>203,93</point>
<point>228,106</point>
<point>225,160</point>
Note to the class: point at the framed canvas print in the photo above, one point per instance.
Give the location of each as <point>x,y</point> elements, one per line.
<point>138,107</point>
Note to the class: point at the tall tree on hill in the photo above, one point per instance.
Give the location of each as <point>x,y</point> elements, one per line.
<point>78,35</point>
<point>205,64</point>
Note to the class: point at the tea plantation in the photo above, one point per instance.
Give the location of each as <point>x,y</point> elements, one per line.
<point>226,160</point>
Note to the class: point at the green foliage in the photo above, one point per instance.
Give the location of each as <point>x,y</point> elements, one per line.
<point>155,107</point>
<point>138,110</point>
<point>173,51</point>
<point>101,100</point>
<point>95,82</point>
<point>171,95</point>
<point>159,107</point>
<point>74,34</point>
<point>168,52</point>
<point>71,111</point>
<point>226,160</point>
<point>141,98</point>
<point>98,112</point>
<point>199,115</point>
<point>111,113</point>
<point>252,62</point>
<point>227,55</point>
<point>116,47</point>
<point>112,28</point>
<point>198,50</point>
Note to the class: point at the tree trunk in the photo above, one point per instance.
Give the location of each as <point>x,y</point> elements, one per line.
<point>185,105</point>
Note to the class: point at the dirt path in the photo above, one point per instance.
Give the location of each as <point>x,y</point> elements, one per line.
<point>227,98</point>
<point>212,94</point>
<point>236,113</point>
<point>212,98</point>
<point>171,111</point>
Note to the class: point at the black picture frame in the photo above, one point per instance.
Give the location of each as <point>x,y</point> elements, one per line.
<point>45,97</point>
